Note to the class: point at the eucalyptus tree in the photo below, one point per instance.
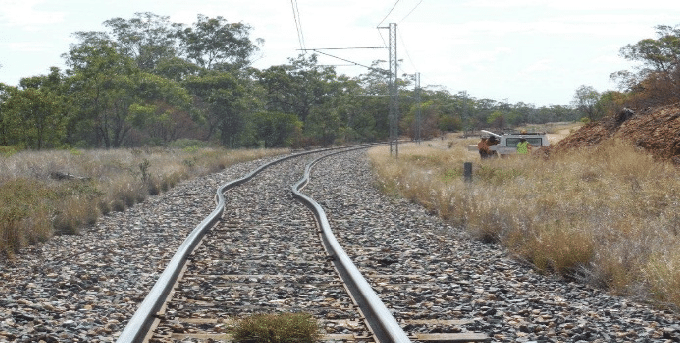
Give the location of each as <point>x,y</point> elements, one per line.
<point>36,117</point>
<point>657,81</point>
<point>5,127</point>
<point>34,113</point>
<point>279,90</point>
<point>376,97</point>
<point>298,86</point>
<point>443,111</point>
<point>214,43</point>
<point>177,69</point>
<point>225,101</point>
<point>10,119</point>
<point>101,91</point>
<point>112,97</point>
<point>358,124</point>
<point>162,110</point>
<point>323,123</point>
<point>585,99</point>
<point>661,55</point>
<point>147,38</point>
<point>275,129</point>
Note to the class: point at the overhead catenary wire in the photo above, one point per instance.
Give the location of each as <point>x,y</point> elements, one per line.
<point>381,37</point>
<point>348,61</point>
<point>298,24</point>
<point>402,19</point>
<point>409,13</point>
<point>388,14</point>
<point>403,44</point>
<point>406,51</point>
<point>350,47</point>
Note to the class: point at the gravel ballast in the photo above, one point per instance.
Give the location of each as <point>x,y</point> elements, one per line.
<point>448,276</point>
<point>85,287</point>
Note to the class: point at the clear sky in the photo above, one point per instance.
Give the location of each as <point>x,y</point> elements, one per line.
<point>532,51</point>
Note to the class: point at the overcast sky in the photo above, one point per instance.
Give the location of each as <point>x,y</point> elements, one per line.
<point>532,51</point>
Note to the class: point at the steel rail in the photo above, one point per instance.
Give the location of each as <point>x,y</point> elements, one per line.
<point>381,320</point>
<point>142,320</point>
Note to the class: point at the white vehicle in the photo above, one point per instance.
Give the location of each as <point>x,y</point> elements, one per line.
<point>508,141</point>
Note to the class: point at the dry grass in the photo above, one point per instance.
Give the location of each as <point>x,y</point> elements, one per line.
<point>35,204</point>
<point>277,328</point>
<point>607,215</point>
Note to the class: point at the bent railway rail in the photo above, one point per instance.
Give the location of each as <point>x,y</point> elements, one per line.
<point>384,326</point>
<point>225,279</point>
<point>141,321</point>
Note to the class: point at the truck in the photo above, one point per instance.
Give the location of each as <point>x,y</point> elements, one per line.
<point>508,141</point>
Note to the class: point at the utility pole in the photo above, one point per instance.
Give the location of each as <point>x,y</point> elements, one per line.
<point>394,91</point>
<point>419,119</point>
<point>394,106</point>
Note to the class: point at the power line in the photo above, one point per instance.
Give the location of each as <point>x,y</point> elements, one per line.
<point>335,65</point>
<point>388,14</point>
<point>405,50</point>
<point>350,47</point>
<point>381,37</point>
<point>298,24</point>
<point>407,54</point>
<point>409,13</point>
<point>348,61</point>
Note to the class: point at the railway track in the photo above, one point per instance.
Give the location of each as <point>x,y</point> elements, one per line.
<point>266,255</point>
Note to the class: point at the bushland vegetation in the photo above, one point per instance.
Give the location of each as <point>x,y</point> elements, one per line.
<point>148,81</point>
<point>605,215</point>
<point>59,192</point>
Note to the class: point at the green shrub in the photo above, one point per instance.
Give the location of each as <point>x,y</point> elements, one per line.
<point>8,151</point>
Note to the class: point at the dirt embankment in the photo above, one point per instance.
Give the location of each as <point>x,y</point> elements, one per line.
<point>655,129</point>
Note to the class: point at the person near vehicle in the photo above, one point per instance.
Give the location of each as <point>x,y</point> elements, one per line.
<point>483,146</point>
<point>523,147</point>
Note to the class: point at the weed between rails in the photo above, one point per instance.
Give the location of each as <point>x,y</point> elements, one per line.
<point>34,204</point>
<point>277,328</point>
<point>604,215</point>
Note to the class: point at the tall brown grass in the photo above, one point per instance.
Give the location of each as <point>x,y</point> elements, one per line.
<point>606,215</point>
<point>43,193</point>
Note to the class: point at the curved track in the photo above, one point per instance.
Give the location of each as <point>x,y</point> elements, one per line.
<point>266,255</point>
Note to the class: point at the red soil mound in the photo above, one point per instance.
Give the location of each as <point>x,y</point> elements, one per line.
<point>655,129</point>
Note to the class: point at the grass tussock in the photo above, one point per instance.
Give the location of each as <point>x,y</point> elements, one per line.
<point>43,193</point>
<point>24,218</point>
<point>277,328</point>
<point>606,215</point>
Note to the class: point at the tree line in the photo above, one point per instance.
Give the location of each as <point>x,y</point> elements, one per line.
<point>655,82</point>
<point>149,81</point>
